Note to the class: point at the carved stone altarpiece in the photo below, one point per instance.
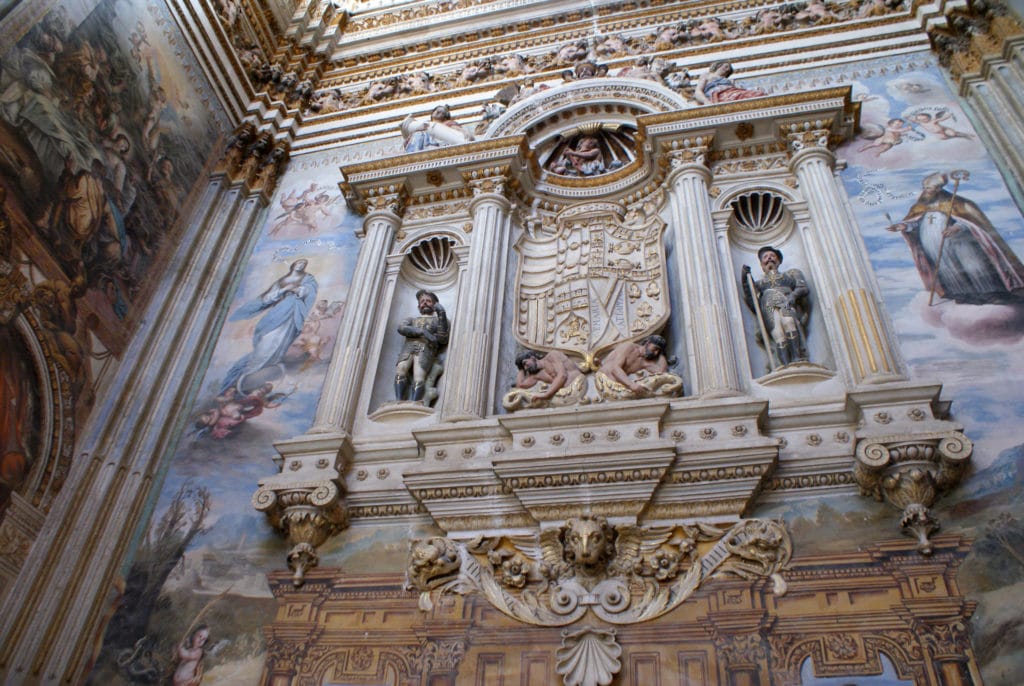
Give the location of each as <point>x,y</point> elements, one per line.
<point>592,274</point>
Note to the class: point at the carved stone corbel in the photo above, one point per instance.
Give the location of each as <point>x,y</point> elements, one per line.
<point>910,472</point>
<point>272,168</point>
<point>307,513</point>
<point>970,34</point>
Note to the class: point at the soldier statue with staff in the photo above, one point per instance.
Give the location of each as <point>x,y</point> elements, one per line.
<point>780,303</point>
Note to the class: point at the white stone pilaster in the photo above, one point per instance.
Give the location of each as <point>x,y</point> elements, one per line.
<point>335,411</point>
<point>472,349</point>
<point>842,275</point>
<point>706,314</point>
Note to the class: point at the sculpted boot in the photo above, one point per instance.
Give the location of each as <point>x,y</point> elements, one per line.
<point>783,352</point>
<point>401,384</point>
<point>417,392</point>
<point>793,346</point>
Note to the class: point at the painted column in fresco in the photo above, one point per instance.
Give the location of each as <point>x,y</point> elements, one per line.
<point>469,368</point>
<point>705,312</point>
<point>127,438</point>
<point>842,277</point>
<point>336,408</point>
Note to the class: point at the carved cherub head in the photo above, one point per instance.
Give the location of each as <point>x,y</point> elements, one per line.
<point>588,541</point>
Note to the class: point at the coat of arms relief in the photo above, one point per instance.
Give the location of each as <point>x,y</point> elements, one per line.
<point>592,282</point>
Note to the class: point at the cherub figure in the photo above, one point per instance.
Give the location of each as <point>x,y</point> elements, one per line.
<point>477,70</point>
<point>234,409</point>
<point>381,90</point>
<point>888,138</point>
<point>648,68</point>
<point>189,654</point>
<point>312,342</point>
<point>415,84</point>
<point>612,46</point>
<point>767,20</point>
<point>711,30</point>
<point>570,53</point>
<point>582,159</point>
<point>138,38</point>
<point>513,65</point>
<point>585,70</point>
<point>327,101</point>
<point>933,125</point>
<point>670,36</point>
<point>815,12</point>
<point>304,210</point>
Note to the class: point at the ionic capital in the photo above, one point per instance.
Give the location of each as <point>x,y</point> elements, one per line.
<point>390,200</point>
<point>808,137</point>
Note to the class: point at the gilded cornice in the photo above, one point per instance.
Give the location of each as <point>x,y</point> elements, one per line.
<point>475,151</point>
<point>825,96</point>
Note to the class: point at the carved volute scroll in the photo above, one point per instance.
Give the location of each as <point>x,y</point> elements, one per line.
<point>910,473</point>
<point>307,513</point>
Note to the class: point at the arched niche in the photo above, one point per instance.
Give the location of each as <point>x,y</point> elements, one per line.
<point>44,400</point>
<point>614,99</point>
<point>559,121</point>
<point>431,259</point>
<point>766,213</point>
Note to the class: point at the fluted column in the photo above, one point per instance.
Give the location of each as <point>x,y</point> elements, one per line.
<point>842,285</point>
<point>336,409</point>
<point>472,349</point>
<point>709,335</point>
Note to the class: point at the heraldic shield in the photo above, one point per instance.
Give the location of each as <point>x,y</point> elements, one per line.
<point>592,282</point>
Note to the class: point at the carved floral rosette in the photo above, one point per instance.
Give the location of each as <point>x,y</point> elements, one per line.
<point>622,574</point>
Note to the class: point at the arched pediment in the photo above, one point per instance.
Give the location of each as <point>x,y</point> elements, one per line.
<point>603,100</point>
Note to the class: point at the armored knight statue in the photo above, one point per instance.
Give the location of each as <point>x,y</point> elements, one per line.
<point>637,370</point>
<point>545,380</point>
<point>425,335</point>
<point>780,303</point>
